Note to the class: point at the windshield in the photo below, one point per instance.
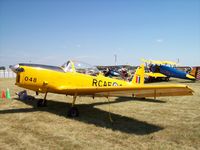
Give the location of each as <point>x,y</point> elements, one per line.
<point>80,67</point>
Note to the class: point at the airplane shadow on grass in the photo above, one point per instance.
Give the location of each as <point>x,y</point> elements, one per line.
<point>92,115</point>
<point>123,99</point>
<point>192,81</point>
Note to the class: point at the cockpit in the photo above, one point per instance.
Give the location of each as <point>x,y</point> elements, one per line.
<point>80,67</point>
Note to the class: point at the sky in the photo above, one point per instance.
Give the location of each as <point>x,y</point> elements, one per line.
<point>94,31</point>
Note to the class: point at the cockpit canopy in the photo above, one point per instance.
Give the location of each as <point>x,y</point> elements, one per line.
<point>80,67</point>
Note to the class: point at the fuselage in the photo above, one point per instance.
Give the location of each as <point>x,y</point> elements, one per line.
<point>171,72</point>
<point>43,78</point>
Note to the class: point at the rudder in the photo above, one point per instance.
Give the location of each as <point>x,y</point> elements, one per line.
<point>138,77</point>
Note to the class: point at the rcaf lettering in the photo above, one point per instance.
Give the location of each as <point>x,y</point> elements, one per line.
<point>101,83</point>
<point>115,84</point>
<point>94,83</point>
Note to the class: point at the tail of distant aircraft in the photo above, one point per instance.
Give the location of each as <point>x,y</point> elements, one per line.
<point>138,77</point>
<point>193,73</point>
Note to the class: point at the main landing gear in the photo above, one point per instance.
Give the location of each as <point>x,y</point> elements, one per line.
<point>73,111</point>
<point>42,102</point>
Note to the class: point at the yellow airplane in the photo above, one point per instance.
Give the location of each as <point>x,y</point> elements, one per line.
<point>79,79</point>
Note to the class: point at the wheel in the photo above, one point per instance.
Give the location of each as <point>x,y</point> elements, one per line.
<point>73,112</point>
<point>149,79</point>
<point>167,79</point>
<point>41,103</point>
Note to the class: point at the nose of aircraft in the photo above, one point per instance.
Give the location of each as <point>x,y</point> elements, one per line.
<point>16,68</point>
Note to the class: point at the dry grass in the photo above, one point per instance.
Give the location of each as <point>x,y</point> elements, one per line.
<point>166,123</point>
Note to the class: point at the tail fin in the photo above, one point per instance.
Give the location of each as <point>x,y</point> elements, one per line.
<point>138,77</point>
<point>193,71</point>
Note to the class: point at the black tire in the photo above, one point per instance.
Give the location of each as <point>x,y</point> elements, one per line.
<point>41,103</point>
<point>149,79</point>
<point>73,112</point>
<point>167,79</point>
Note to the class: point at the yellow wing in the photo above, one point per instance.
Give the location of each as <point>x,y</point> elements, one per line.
<point>169,63</point>
<point>130,91</point>
<point>151,61</point>
<point>158,62</point>
<point>156,75</point>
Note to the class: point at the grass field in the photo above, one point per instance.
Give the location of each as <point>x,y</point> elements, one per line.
<point>165,123</point>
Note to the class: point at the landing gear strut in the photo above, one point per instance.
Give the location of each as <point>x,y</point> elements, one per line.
<point>42,102</point>
<point>73,111</point>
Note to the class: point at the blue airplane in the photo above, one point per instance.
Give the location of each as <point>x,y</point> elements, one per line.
<point>164,70</point>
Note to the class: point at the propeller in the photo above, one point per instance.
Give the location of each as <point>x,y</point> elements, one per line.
<point>16,68</point>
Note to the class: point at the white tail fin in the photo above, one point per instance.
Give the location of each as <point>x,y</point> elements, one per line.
<point>138,77</point>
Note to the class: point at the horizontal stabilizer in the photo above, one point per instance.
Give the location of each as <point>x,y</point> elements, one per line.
<point>190,76</point>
